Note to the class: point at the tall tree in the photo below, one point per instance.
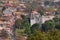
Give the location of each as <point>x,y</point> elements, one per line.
<point>34,27</point>
<point>57,22</point>
<point>41,12</point>
<point>49,25</point>
<point>37,35</point>
<point>26,26</point>
<point>18,23</point>
<point>53,34</point>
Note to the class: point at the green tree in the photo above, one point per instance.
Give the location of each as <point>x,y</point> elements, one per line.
<point>34,27</point>
<point>18,27</point>
<point>37,35</point>
<point>41,12</point>
<point>22,26</point>
<point>49,25</point>
<point>57,22</point>
<point>46,2</point>
<point>18,23</point>
<point>56,19</point>
<point>49,35</point>
<point>26,26</point>
<point>57,26</point>
<point>53,34</point>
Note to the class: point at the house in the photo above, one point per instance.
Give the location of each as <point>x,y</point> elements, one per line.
<point>18,14</point>
<point>6,20</point>
<point>35,18</point>
<point>7,11</point>
<point>47,17</point>
<point>57,15</point>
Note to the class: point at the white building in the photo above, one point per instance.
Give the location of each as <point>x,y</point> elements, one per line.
<point>45,18</point>
<point>35,18</point>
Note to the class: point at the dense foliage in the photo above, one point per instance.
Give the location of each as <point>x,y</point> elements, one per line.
<point>49,35</point>
<point>50,31</point>
<point>22,26</point>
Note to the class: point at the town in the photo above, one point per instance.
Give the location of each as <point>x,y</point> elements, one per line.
<point>22,19</point>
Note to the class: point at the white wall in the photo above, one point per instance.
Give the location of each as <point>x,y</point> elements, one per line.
<point>45,18</point>
<point>32,22</point>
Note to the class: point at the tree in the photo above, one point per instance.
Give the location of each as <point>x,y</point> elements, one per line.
<point>57,22</point>
<point>34,27</point>
<point>37,35</point>
<point>53,34</point>
<point>26,26</point>
<point>46,2</point>
<point>57,26</point>
<point>56,19</point>
<point>49,35</point>
<point>48,25</point>
<point>18,23</point>
<point>41,12</point>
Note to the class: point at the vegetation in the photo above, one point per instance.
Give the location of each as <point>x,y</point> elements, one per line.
<point>37,35</point>
<point>48,25</point>
<point>18,23</point>
<point>49,35</point>
<point>41,12</point>
<point>57,22</point>
<point>22,26</point>
<point>46,2</point>
<point>34,27</point>
<point>50,31</point>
